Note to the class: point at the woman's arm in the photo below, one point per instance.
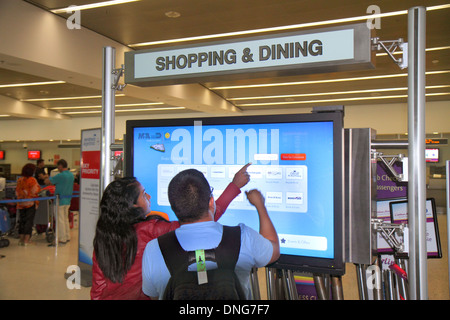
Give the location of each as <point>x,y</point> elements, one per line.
<point>241,178</point>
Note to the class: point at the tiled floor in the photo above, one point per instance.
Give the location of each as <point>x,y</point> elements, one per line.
<point>37,271</point>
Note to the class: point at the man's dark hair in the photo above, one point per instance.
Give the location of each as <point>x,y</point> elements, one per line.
<point>39,161</point>
<point>189,193</point>
<point>62,163</point>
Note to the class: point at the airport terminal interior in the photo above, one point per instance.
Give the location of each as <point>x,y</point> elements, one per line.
<point>52,60</point>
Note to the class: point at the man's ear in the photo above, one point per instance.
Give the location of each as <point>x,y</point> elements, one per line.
<point>212,205</point>
<point>212,202</point>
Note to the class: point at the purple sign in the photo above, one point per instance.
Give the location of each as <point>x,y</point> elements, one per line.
<point>387,185</point>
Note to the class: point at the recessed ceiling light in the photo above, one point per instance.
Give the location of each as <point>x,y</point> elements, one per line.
<point>300,95</point>
<point>322,81</point>
<point>91,6</point>
<point>125,110</point>
<point>68,98</point>
<point>42,83</point>
<point>172,14</point>
<point>117,105</point>
<point>336,100</point>
<point>284,28</point>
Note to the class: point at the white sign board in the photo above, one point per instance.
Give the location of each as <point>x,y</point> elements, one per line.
<point>89,191</point>
<point>283,54</point>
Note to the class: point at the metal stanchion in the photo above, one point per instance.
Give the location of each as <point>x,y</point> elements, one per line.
<point>336,288</point>
<point>271,284</point>
<point>108,116</point>
<point>417,273</point>
<point>362,283</point>
<point>319,282</point>
<point>255,284</point>
<point>55,217</point>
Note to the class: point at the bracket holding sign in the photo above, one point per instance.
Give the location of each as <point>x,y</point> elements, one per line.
<point>390,46</point>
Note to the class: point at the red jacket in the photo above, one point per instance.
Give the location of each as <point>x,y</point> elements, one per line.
<point>131,287</point>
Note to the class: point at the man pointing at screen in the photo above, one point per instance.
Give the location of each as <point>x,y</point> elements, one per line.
<point>191,200</point>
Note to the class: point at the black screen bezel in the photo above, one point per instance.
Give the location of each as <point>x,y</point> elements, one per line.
<point>335,266</point>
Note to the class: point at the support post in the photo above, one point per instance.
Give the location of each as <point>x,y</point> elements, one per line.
<point>108,116</point>
<point>362,283</point>
<point>416,151</point>
<point>448,217</point>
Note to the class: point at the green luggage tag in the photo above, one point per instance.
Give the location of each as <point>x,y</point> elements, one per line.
<point>201,266</point>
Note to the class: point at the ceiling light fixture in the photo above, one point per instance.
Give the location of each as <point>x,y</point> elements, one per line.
<point>117,105</point>
<point>284,28</point>
<point>67,98</point>
<point>42,83</point>
<point>127,110</point>
<point>336,100</point>
<point>331,93</point>
<point>172,14</point>
<point>4,115</point>
<point>322,81</point>
<point>91,6</point>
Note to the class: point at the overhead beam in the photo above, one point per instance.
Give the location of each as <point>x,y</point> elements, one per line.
<point>21,109</point>
<point>37,42</point>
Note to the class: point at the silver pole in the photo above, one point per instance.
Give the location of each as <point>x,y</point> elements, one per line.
<point>416,152</point>
<point>361,278</point>
<point>108,110</point>
<point>448,219</point>
<point>56,214</point>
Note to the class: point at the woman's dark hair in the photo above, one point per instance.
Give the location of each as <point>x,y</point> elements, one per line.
<point>189,193</point>
<point>115,241</point>
<point>28,170</point>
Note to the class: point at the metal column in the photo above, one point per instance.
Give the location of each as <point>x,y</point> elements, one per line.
<point>108,113</point>
<point>448,217</point>
<point>416,137</point>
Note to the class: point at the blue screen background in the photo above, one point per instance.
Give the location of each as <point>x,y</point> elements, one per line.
<point>315,139</point>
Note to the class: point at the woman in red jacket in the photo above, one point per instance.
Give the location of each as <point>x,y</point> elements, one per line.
<point>124,229</point>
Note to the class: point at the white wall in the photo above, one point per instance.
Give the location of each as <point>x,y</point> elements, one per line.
<point>16,155</point>
<point>385,118</point>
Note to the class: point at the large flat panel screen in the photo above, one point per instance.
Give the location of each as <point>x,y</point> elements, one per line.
<point>296,164</point>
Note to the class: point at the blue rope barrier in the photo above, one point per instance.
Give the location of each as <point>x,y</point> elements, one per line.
<point>37,199</point>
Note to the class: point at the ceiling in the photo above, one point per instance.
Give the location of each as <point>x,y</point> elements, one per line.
<point>145,21</point>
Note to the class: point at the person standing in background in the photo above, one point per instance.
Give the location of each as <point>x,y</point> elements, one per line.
<point>63,182</point>
<point>27,187</point>
<point>40,174</point>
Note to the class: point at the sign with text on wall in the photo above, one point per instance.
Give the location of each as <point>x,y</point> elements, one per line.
<point>321,50</point>
<point>89,191</point>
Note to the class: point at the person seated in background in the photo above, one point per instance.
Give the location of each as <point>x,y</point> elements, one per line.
<point>125,226</point>
<point>27,187</point>
<point>191,200</point>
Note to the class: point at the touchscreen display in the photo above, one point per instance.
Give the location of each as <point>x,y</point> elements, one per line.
<point>293,165</point>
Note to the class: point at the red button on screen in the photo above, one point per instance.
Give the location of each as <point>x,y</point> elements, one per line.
<point>293,156</point>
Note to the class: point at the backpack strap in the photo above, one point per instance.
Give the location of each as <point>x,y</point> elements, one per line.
<point>225,255</point>
<point>175,257</point>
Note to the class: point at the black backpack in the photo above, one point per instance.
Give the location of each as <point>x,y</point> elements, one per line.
<point>223,284</point>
